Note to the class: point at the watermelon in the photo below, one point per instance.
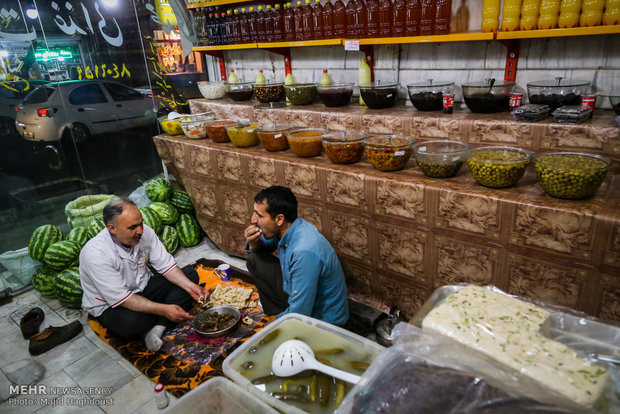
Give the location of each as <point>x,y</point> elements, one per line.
<point>68,288</point>
<point>170,239</point>
<point>167,213</point>
<point>157,189</point>
<point>188,230</point>
<point>43,281</point>
<point>95,226</point>
<point>42,238</point>
<point>151,219</point>
<point>79,235</point>
<point>181,201</point>
<point>62,254</point>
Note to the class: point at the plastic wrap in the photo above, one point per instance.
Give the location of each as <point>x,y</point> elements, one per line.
<point>572,114</point>
<point>531,112</point>
<point>541,347</point>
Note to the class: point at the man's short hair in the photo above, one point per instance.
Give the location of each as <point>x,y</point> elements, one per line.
<point>114,209</point>
<point>280,200</point>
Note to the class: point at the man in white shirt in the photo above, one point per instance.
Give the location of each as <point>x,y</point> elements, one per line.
<point>121,290</point>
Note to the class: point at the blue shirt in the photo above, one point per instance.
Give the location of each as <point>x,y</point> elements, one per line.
<point>311,273</point>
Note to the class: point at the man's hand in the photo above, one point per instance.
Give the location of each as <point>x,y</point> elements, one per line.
<point>196,291</point>
<point>175,313</point>
<point>252,235</point>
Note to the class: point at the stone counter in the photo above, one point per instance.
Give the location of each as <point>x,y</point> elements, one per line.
<point>401,234</point>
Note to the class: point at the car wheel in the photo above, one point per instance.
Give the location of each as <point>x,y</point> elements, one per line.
<point>78,133</point>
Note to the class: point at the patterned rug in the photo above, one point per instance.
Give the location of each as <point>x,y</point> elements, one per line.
<point>186,360</point>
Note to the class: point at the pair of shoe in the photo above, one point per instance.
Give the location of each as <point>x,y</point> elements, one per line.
<point>48,338</point>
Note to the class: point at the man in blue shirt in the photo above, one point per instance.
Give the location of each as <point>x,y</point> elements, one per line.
<point>294,267</point>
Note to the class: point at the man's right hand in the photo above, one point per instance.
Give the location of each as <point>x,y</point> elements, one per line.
<point>252,235</point>
<point>175,313</point>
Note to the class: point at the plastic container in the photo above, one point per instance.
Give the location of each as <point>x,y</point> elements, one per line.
<point>529,14</point>
<point>591,13</point>
<point>379,95</point>
<point>300,93</point>
<point>240,91</point>
<point>232,77</point>
<point>260,78</point>
<point>242,134</point>
<point>363,76</point>
<point>428,96</point>
<point>305,142</point>
<point>531,112</point>
<point>570,175</point>
<point>557,92</point>
<point>440,158</point>
<point>498,166</point>
<point>569,13</point>
<point>273,136</point>
<point>337,94</point>
<point>219,396</point>
<point>319,335</point>
<point>344,147</point>
<point>510,15</point>
<point>194,129</point>
<point>268,92</point>
<point>326,80</point>
<point>212,90</point>
<point>487,96</point>
<point>612,12</point>
<point>548,17</point>
<point>490,15</point>
<point>216,130</point>
<point>389,152</point>
<point>572,114</point>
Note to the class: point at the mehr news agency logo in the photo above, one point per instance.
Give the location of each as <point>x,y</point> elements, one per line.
<point>43,395</point>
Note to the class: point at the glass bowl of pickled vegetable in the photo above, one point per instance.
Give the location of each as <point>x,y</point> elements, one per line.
<point>242,134</point>
<point>194,128</point>
<point>273,136</point>
<point>440,158</point>
<point>239,91</point>
<point>268,92</point>
<point>379,95</point>
<point>216,130</point>
<point>305,142</point>
<point>172,126</point>
<point>337,94</point>
<point>570,175</point>
<point>301,93</point>
<point>389,152</point>
<point>498,166</point>
<point>344,147</point>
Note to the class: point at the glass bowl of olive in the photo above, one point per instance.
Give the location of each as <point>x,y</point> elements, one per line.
<point>498,166</point>
<point>239,91</point>
<point>268,92</point>
<point>301,93</point>
<point>344,147</point>
<point>379,95</point>
<point>389,152</point>
<point>440,158</point>
<point>570,175</point>
<point>428,96</point>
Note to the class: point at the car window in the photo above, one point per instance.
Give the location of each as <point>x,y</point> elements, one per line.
<point>122,93</point>
<point>39,95</point>
<point>87,95</point>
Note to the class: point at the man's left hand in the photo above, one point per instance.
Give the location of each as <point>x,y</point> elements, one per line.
<point>197,291</point>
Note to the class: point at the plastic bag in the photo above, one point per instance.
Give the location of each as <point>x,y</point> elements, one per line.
<point>20,264</point>
<point>83,209</point>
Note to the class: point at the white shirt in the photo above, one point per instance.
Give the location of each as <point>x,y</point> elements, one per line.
<point>110,273</point>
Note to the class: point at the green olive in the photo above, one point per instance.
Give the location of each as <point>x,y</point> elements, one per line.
<point>440,170</point>
<point>498,168</point>
<point>570,176</point>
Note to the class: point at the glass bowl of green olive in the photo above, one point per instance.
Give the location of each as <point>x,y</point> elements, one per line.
<point>570,175</point>
<point>498,166</point>
<point>301,93</point>
<point>440,158</point>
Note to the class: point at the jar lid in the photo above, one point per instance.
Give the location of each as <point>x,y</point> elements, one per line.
<point>558,82</point>
<point>389,141</point>
<point>378,85</point>
<point>487,84</point>
<point>430,83</point>
<point>275,127</point>
<point>344,136</point>
<point>267,84</point>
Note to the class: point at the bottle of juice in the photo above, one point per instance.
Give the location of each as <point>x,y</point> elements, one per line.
<point>328,20</point>
<point>443,15</point>
<point>289,23</point>
<point>591,13</point>
<point>548,17</point>
<point>278,24</point>
<point>216,29</point>
<point>340,20</point>
<point>398,18</point>
<point>298,13</point>
<point>372,23</point>
<point>289,80</point>
<point>412,17</point>
<point>243,24</point>
<point>362,19</point>
<point>236,22</point>
<point>210,31</point>
<point>612,12</point>
<point>268,24</point>
<point>232,78</point>
<point>569,13</point>
<point>261,30</point>
<point>326,80</point>
<point>363,76</point>
<point>428,10</point>
<point>529,14</point>
<point>351,13</point>
<point>260,78</point>
<point>307,20</point>
<point>385,18</point>
<point>490,15</point>
<point>510,15</point>
<point>252,25</point>
<point>318,20</point>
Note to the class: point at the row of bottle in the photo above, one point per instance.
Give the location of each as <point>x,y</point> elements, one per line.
<point>356,19</point>
<point>548,14</point>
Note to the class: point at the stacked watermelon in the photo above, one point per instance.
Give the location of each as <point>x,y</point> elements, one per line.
<point>42,238</point>
<point>43,281</point>
<point>67,287</point>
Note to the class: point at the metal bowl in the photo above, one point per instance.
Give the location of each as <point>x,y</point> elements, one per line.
<point>216,310</point>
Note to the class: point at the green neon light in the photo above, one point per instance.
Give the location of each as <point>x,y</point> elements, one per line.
<point>46,55</point>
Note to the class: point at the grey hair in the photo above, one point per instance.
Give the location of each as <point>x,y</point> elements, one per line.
<point>114,209</point>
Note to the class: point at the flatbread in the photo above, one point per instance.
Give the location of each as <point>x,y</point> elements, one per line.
<point>229,295</point>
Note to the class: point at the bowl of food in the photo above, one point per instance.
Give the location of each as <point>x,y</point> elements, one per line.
<point>172,126</point>
<point>194,128</point>
<point>305,142</point>
<point>487,96</point>
<point>216,321</point>
<point>337,94</point>
<point>239,91</point>
<point>242,134</point>
<point>273,136</point>
<point>498,166</point>
<point>344,147</point>
<point>428,96</point>
<point>614,100</point>
<point>379,95</point>
<point>212,90</point>
<point>441,158</point>
<point>216,129</point>
<point>557,92</point>
<point>570,175</point>
<point>389,152</point>
<point>300,93</point>
<point>268,92</point>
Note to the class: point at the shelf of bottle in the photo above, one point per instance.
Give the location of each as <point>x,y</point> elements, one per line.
<point>453,37</point>
<point>574,31</point>
<point>215,3</point>
<point>225,47</point>
<point>299,43</point>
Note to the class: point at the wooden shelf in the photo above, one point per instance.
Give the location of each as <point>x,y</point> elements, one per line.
<point>575,31</point>
<point>452,37</point>
<point>325,42</point>
<point>215,3</point>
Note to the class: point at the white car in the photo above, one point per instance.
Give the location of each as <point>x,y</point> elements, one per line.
<point>78,109</point>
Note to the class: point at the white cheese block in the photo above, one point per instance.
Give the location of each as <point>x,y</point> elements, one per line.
<point>508,330</point>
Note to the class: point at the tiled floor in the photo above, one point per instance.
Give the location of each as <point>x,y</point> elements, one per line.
<point>85,361</point>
